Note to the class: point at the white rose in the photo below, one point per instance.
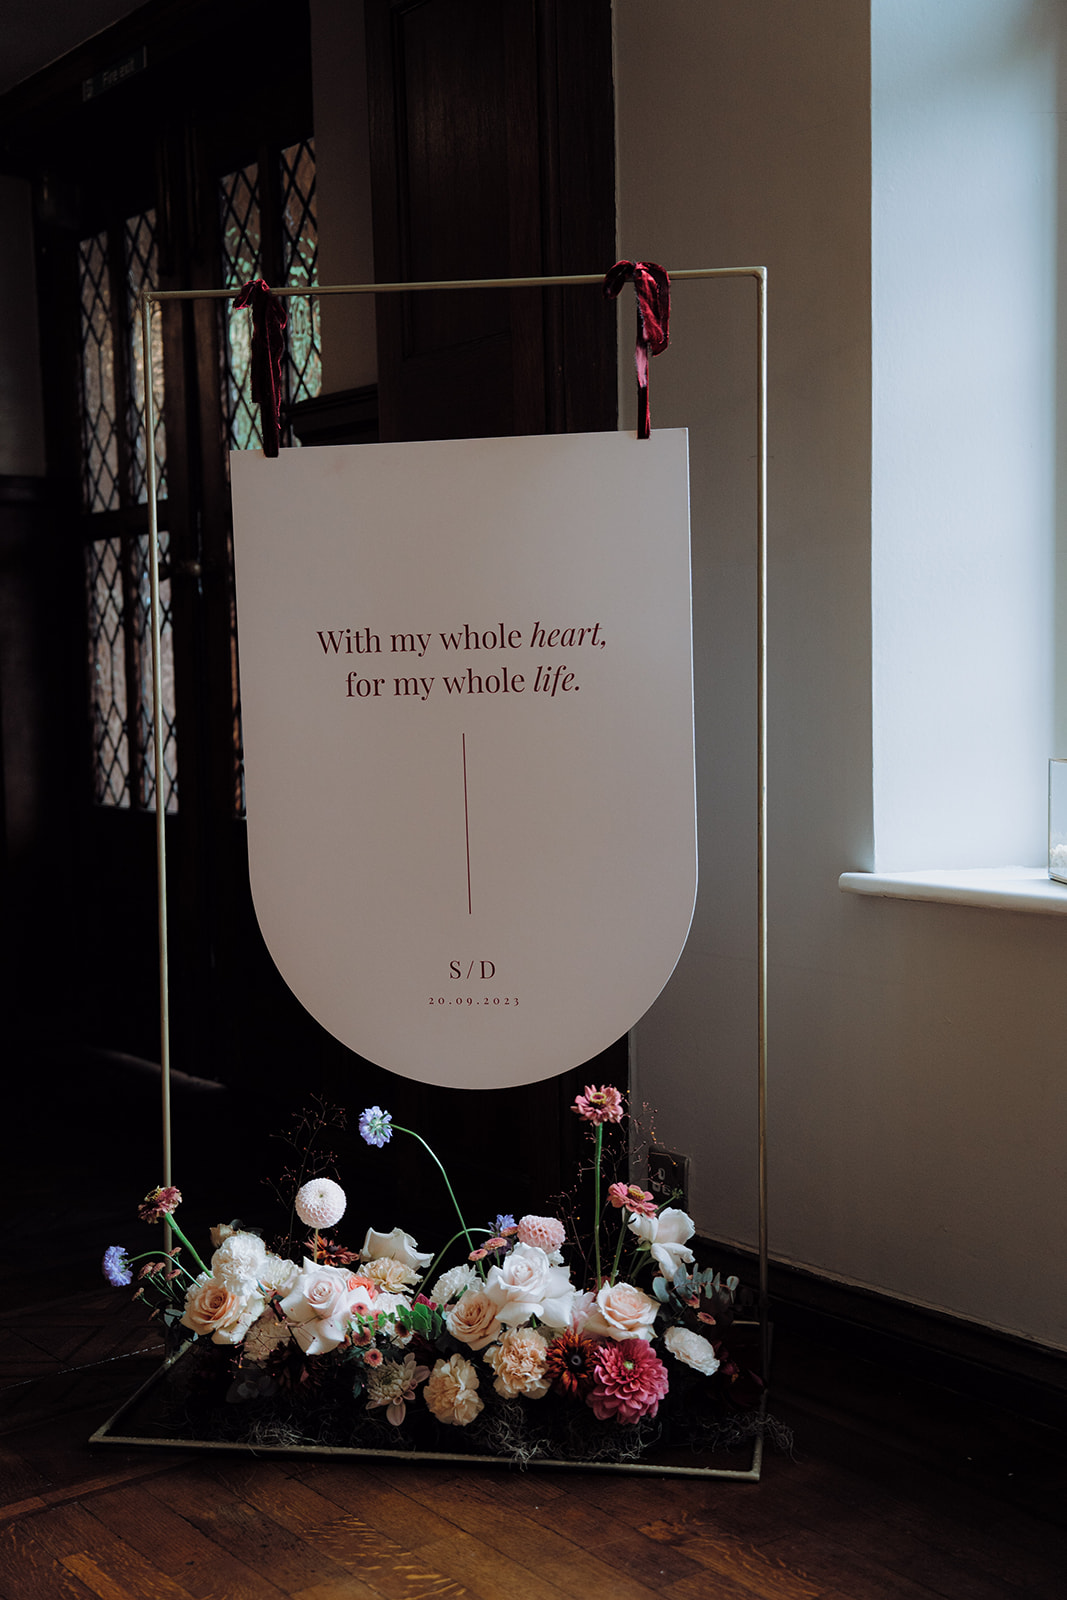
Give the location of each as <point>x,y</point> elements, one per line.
<point>398,1244</point>
<point>620,1312</point>
<point>527,1285</point>
<point>693,1349</point>
<point>666,1234</point>
<point>320,1303</point>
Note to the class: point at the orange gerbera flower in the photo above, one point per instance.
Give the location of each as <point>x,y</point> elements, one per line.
<point>569,1364</point>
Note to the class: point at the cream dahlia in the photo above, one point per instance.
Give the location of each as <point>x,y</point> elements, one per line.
<point>320,1203</point>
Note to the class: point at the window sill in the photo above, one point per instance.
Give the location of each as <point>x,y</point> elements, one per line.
<point>996,888</point>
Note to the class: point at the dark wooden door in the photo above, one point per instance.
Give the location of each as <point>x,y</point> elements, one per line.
<point>492,151</point>
<point>492,155</point>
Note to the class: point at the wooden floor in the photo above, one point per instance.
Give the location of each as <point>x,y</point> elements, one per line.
<point>890,1494</point>
<point>895,1491</point>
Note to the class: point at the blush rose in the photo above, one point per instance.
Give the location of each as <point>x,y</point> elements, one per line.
<point>474,1320</point>
<point>527,1284</point>
<point>620,1311</point>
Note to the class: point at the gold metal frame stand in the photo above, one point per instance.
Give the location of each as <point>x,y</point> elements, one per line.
<point>759,275</point>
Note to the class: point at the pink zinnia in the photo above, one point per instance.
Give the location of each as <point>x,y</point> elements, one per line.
<point>633,1198</point>
<point>159,1203</point>
<point>599,1105</point>
<point>629,1381</point>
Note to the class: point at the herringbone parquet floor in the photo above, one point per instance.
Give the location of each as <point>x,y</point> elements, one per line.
<point>896,1491</point>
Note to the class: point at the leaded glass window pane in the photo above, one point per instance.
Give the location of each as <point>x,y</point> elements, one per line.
<point>300,266</point>
<point>114,476</point>
<point>242,246</point>
<point>100,457</point>
<point>143,625</point>
<point>107,673</point>
<point>142,272</point>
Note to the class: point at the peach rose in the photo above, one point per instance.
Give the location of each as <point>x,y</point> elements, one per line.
<point>211,1308</point>
<point>474,1320</point>
<point>620,1312</point>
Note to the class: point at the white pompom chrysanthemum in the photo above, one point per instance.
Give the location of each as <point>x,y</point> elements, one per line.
<point>320,1203</point>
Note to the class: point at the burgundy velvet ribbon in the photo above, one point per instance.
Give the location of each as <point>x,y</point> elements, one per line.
<point>652,287</point>
<point>268,348</point>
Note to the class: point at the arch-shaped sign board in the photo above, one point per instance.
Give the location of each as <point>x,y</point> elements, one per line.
<point>466,688</point>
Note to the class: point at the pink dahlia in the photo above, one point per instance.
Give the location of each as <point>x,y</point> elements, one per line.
<point>545,1232</point>
<point>629,1381</point>
<point>320,1203</point>
<point>599,1105</point>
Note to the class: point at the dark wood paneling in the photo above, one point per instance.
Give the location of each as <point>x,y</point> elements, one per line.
<point>492,156</point>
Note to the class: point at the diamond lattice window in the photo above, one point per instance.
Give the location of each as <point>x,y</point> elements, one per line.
<point>300,241</point>
<point>242,199</point>
<point>141,272</point>
<point>114,266</point>
<point>107,673</point>
<point>100,439</point>
<point>242,247</point>
<point>241,204</point>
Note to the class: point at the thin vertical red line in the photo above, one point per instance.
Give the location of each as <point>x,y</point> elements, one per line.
<point>467,827</point>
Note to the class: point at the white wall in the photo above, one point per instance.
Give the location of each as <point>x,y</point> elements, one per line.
<point>918,1099</point>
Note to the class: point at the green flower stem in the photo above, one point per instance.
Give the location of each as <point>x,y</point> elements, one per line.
<point>596,1200</point>
<point>462,1224</point>
<point>440,1256</point>
<point>170,1222</point>
<point>623,1220</point>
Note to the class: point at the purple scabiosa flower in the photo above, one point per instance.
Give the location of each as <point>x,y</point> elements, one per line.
<point>116,1267</point>
<point>376,1126</point>
<point>503,1222</point>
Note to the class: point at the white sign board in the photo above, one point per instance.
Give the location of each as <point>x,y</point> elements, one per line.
<point>466,689</point>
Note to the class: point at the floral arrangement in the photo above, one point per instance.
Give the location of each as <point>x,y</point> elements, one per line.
<point>533,1344</point>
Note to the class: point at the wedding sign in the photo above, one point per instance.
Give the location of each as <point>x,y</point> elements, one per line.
<point>466,691</point>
